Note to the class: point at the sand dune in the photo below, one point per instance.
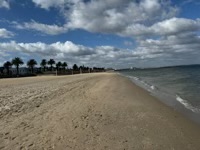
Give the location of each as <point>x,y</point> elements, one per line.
<point>86,112</point>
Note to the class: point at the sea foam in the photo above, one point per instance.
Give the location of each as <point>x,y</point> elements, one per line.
<point>152,88</point>
<point>186,104</point>
<point>142,83</point>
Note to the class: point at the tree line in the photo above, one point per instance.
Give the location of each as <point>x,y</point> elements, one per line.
<point>47,65</point>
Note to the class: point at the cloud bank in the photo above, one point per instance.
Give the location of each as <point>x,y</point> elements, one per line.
<point>127,18</point>
<point>170,50</point>
<point>120,17</point>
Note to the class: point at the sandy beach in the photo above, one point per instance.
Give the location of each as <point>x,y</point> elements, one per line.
<point>101,111</point>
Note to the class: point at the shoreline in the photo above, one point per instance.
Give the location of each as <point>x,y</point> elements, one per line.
<point>167,99</point>
<point>90,111</point>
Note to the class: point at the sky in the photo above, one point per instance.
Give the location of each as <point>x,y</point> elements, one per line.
<point>102,33</point>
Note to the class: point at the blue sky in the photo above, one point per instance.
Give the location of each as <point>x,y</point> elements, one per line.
<point>110,33</point>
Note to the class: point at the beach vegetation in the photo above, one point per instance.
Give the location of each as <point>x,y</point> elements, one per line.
<point>75,67</point>
<point>32,69</point>
<point>17,62</point>
<point>58,65</point>
<point>7,65</point>
<point>64,65</point>
<point>43,64</point>
<point>51,62</point>
<point>31,64</point>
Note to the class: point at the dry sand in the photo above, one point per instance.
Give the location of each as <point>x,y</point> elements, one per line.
<point>89,112</point>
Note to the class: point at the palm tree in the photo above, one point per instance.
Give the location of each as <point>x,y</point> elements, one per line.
<point>7,65</point>
<point>75,67</point>
<point>51,62</point>
<point>64,65</point>
<point>31,63</point>
<point>43,63</point>
<point>58,65</point>
<point>17,62</point>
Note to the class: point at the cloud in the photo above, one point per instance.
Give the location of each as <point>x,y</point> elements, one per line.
<point>170,26</point>
<point>190,1</point>
<point>171,50</point>
<point>176,26</point>
<point>125,18</point>
<point>4,4</point>
<point>56,50</point>
<point>102,16</point>
<point>43,49</point>
<point>161,38</point>
<point>44,28</point>
<point>115,16</point>
<point>187,1</point>
<point>47,4</point>
<point>120,17</point>
<point>67,51</point>
<point>5,33</point>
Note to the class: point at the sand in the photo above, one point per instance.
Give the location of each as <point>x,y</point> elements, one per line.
<point>89,112</point>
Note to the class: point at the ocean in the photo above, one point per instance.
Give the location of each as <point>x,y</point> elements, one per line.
<point>178,87</point>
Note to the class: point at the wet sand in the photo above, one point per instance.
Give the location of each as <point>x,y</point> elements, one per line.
<point>91,111</point>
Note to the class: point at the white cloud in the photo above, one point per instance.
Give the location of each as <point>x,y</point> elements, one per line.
<point>170,26</point>
<point>114,16</point>
<point>121,17</point>
<point>44,28</point>
<point>5,33</point>
<point>67,51</point>
<point>176,25</point>
<point>46,4</point>
<point>190,1</point>
<point>4,4</point>
<point>43,49</point>
<point>171,50</point>
<point>162,38</point>
<point>185,47</point>
<point>126,18</point>
<point>103,16</point>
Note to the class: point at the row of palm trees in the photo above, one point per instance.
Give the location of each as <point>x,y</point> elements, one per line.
<point>16,62</point>
<point>32,63</point>
<point>60,66</point>
<point>51,62</point>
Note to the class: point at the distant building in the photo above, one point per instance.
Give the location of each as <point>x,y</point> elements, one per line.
<point>37,70</point>
<point>22,71</point>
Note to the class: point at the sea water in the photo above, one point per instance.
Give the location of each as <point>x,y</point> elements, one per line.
<point>178,87</point>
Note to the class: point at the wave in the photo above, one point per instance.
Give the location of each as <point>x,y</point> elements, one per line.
<point>186,104</point>
<point>154,89</point>
<point>142,83</point>
<point>133,77</point>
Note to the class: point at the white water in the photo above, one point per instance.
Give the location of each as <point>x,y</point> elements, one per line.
<point>155,90</point>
